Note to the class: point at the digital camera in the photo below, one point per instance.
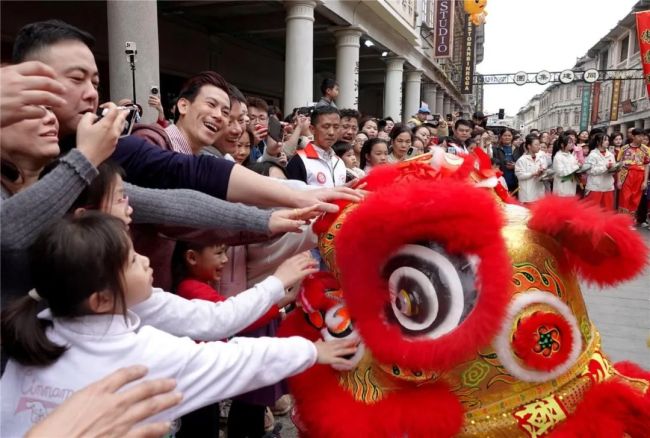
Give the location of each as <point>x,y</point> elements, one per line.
<point>130,48</point>
<point>130,118</point>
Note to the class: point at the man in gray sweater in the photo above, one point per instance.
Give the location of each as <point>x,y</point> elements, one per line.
<point>35,207</point>
<point>66,49</point>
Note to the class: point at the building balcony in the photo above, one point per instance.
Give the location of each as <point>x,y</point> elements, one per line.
<point>404,8</point>
<point>398,14</point>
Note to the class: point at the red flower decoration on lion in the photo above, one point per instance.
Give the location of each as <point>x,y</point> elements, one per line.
<point>469,313</point>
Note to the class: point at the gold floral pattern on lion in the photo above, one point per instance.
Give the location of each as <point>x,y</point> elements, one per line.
<point>468,308</point>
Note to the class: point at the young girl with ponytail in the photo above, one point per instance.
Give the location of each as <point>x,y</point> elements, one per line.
<point>88,275</point>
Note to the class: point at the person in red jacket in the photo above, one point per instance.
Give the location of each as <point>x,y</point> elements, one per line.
<point>196,270</point>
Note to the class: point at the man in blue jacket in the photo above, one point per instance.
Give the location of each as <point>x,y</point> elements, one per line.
<point>67,50</point>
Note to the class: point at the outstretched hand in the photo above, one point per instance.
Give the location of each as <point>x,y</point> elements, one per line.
<point>290,295</point>
<point>287,221</point>
<point>334,352</point>
<point>295,268</point>
<point>323,197</point>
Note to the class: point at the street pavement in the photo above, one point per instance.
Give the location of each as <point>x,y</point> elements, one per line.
<point>622,315</point>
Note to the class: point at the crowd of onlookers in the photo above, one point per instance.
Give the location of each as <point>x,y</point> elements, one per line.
<point>608,169</point>
<point>216,198</point>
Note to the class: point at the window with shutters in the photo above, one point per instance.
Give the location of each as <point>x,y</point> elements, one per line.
<point>623,48</point>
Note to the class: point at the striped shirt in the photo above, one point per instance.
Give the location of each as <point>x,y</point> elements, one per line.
<point>178,140</point>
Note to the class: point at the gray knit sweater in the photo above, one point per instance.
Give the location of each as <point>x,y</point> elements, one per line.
<point>24,215</point>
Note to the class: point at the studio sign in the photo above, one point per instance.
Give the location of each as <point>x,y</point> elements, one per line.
<point>444,34</point>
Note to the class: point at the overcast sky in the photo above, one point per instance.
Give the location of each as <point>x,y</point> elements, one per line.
<point>534,35</point>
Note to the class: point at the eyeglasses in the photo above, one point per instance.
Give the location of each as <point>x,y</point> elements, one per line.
<point>122,198</point>
<point>258,118</point>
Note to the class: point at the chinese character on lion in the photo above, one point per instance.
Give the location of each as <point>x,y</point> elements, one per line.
<point>468,312</point>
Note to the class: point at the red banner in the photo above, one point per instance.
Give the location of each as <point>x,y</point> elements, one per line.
<point>643,32</point>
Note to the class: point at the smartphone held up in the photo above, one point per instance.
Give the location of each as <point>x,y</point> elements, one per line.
<point>275,128</point>
<point>130,118</point>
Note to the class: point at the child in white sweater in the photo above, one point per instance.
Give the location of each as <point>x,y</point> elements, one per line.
<point>529,168</point>
<point>169,312</point>
<point>600,175</point>
<point>565,165</point>
<point>88,274</point>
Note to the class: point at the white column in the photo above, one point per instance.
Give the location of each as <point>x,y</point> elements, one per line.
<point>347,66</point>
<point>646,124</point>
<point>412,99</point>
<point>430,97</point>
<point>393,88</point>
<point>136,22</point>
<point>447,105</point>
<point>299,57</point>
<point>440,102</point>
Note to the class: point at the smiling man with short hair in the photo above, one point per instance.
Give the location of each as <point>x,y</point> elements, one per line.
<point>68,51</point>
<point>203,109</point>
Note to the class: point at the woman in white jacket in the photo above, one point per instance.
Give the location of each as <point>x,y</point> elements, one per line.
<point>600,180</point>
<point>564,165</point>
<point>528,169</point>
<point>87,272</point>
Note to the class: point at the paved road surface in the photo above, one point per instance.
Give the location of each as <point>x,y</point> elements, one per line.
<point>622,315</point>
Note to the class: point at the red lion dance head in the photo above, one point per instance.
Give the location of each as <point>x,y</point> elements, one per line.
<point>469,313</point>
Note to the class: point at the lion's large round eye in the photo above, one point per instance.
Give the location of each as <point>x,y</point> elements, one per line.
<point>431,292</point>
